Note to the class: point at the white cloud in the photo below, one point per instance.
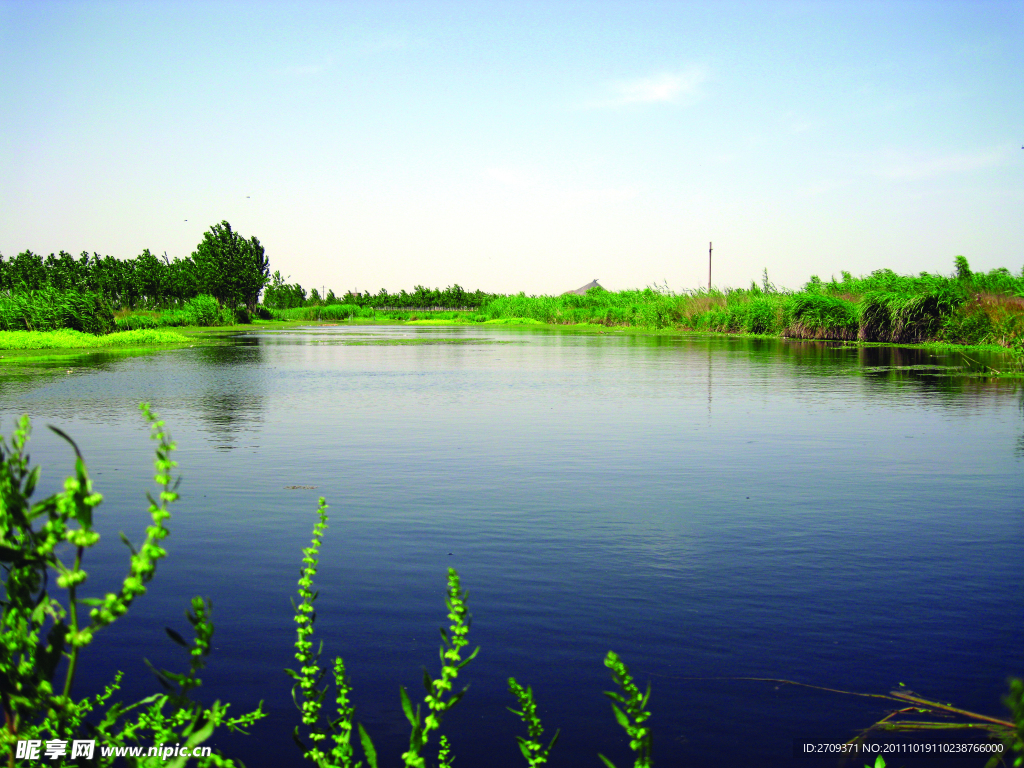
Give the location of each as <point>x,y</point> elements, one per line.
<point>667,87</point>
<point>904,166</point>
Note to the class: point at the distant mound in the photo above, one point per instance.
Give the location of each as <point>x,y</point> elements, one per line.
<point>583,291</point>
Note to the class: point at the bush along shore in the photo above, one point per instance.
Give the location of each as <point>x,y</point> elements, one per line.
<point>971,308</point>
<point>965,307</point>
<point>962,308</point>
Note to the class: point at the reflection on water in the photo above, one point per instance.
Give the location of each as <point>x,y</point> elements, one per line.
<point>232,391</point>
<point>708,507</point>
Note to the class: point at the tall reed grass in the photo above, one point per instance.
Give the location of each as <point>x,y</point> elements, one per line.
<point>48,309</point>
<point>202,311</point>
<point>966,307</point>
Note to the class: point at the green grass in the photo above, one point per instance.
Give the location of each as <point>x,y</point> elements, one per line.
<point>70,339</point>
<point>48,309</point>
<point>964,308</point>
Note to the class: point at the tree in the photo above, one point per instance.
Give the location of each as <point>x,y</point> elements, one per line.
<point>230,268</point>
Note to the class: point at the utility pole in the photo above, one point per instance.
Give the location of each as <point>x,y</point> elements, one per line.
<point>709,266</point>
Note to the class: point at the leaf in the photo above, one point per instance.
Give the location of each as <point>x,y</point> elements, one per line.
<point>30,481</point>
<point>63,434</point>
<point>455,699</point>
<point>368,748</point>
<point>301,744</point>
<point>524,747</point>
<point>620,716</point>
<point>413,719</point>
<point>470,657</point>
<point>554,739</point>
<point>176,637</point>
<point>48,658</point>
<point>606,761</point>
<point>128,544</point>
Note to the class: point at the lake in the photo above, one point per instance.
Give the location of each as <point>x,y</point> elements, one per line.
<point>711,508</point>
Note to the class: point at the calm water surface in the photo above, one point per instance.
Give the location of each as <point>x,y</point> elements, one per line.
<point>707,507</point>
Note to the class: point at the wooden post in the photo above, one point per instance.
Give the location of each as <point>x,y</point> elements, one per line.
<point>709,266</point>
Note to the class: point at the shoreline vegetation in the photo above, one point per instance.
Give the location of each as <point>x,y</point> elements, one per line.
<point>103,297</point>
<point>66,338</point>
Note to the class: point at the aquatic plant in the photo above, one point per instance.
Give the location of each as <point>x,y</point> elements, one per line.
<point>531,746</point>
<point>308,692</point>
<point>40,635</point>
<point>632,714</point>
<point>69,339</point>
<point>48,309</point>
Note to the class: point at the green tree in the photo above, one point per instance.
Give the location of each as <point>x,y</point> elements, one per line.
<point>230,268</point>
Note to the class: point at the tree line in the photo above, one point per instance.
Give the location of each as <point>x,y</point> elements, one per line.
<point>280,294</point>
<point>225,265</point>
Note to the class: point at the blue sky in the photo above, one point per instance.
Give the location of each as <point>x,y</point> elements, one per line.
<point>520,146</point>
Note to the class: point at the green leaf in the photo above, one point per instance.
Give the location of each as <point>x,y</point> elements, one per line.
<point>470,657</point>
<point>413,719</point>
<point>620,716</point>
<point>554,739</point>
<point>524,747</point>
<point>606,761</point>
<point>368,748</point>
<point>31,481</point>
<point>455,699</point>
<point>301,744</point>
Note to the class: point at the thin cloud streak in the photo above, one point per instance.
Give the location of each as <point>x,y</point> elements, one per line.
<point>664,88</point>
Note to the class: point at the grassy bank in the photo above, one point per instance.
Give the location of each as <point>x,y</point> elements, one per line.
<point>964,308</point>
<point>71,339</point>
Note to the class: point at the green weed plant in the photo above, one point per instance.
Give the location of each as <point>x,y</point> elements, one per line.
<point>69,339</point>
<point>43,545</point>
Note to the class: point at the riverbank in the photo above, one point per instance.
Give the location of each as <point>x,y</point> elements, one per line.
<point>67,338</point>
<point>35,346</point>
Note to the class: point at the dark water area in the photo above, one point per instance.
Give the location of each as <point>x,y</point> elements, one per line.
<point>710,508</point>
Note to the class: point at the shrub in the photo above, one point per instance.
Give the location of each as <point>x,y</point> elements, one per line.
<point>203,310</point>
